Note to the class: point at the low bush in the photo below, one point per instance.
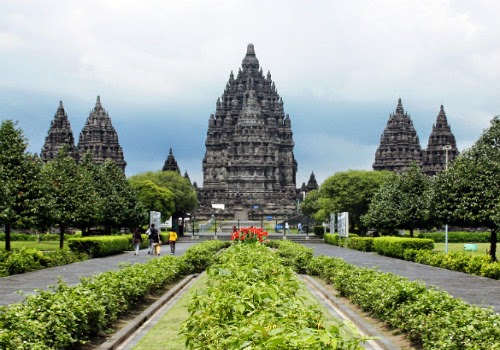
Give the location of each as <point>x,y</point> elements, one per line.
<point>99,246</point>
<point>364,244</point>
<point>479,265</point>
<point>395,246</point>
<point>63,317</point>
<point>30,259</point>
<point>252,302</point>
<point>459,237</point>
<point>35,237</point>
<point>431,318</point>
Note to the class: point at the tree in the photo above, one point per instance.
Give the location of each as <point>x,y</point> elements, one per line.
<point>154,197</point>
<point>119,203</point>
<point>69,192</point>
<point>184,194</point>
<point>20,195</point>
<point>402,202</point>
<point>310,205</point>
<point>351,191</point>
<point>468,193</point>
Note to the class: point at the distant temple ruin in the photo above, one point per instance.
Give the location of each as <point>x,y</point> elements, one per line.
<point>98,137</point>
<point>400,145</point>
<point>249,166</point>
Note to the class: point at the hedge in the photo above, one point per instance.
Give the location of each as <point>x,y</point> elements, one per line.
<point>395,246</point>
<point>63,317</point>
<point>99,246</point>
<point>459,237</point>
<point>41,237</point>
<point>431,318</point>
<point>31,259</point>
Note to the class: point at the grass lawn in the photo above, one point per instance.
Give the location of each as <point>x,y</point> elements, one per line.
<point>482,248</point>
<point>43,245</point>
<point>165,334</point>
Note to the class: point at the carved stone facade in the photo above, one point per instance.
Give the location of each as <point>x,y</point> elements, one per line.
<point>441,147</point>
<point>249,163</point>
<point>171,163</point>
<point>59,135</point>
<point>99,137</point>
<point>400,145</point>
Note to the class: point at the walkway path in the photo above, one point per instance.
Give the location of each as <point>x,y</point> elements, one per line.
<point>475,290</point>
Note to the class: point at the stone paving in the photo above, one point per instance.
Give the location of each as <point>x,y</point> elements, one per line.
<point>481,291</point>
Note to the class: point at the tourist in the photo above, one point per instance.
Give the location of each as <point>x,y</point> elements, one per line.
<point>287,228</point>
<point>137,239</point>
<point>155,237</point>
<point>299,226</point>
<point>150,241</point>
<point>172,238</point>
<point>235,230</point>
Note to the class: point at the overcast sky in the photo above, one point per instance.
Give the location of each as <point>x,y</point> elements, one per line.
<point>339,66</point>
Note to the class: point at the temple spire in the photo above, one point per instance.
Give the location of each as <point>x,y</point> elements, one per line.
<point>59,136</point>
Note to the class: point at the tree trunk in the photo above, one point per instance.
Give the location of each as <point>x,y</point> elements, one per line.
<point>493,244</point>
<point>411,232</point>
<point>61,236</point>
<point>7,236</point>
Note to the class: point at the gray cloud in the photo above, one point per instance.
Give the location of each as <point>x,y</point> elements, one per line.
<point>339,66</point>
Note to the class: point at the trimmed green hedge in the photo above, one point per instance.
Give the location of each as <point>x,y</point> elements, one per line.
<point>42,237</point>
<point>459,237</point>
<point>479,265</point>
<point>395,246</point>
<point>64,316</point>
<point>30,259</point>
<point>431,318</point>
<point>99,246</point>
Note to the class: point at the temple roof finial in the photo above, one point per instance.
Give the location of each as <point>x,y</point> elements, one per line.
<point>399,108</point>
<point>98,102</point>
<point>250,49</point>
<point>61,105</point>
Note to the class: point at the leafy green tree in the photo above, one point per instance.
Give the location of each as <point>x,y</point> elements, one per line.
<point>69,192</point>
<point>350,191</point>
<point>184,194</point>
<point>468,193</point>
<point>154,197</point>
<point>119,203</point>
<point>20,197</point>
<point>402,202</point>
<point>310,205</point>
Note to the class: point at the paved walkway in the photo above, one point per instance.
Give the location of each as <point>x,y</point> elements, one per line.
<point>475,290</point>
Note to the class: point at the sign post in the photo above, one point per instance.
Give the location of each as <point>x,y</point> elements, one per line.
<point>343,224</point>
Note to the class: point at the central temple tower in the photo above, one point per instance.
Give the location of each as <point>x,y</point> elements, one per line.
<point>249,164</point>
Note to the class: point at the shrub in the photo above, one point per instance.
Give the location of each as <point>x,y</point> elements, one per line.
<point>395,246</point>
<point>364,244</point>
<point>99,246</point>
<point>459,237</point>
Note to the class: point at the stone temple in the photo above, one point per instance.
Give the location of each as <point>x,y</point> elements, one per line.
<point>249,164</point>
<point>58,136</point>
<point>400,145</point>
<point>98,137</point>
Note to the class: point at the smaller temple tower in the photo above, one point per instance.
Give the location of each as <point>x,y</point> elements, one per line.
<point>171,163</point>
<point>99,137</point>
<point>59,135</point>
<point>399,143</point>
<point>441,147</point>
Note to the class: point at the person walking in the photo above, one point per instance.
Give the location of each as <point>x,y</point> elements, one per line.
<point>137,239</point>
<point>155,237</point>
<point>150,240</point>
<point>287,228</point>
<point>172,238</point>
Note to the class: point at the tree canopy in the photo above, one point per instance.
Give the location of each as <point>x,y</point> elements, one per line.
<point>468,193</point>
<point>403,202</point>
<point>350,191</point>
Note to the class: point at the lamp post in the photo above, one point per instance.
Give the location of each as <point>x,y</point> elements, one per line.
<point>446,149</point>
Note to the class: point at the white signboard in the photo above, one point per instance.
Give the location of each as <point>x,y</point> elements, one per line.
<point>218,206</point>
<point>332,223</point>
<point>343,224</point>
<point>155,218</point>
